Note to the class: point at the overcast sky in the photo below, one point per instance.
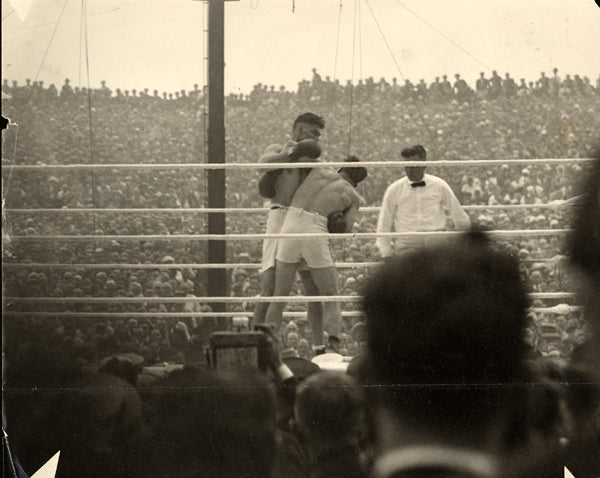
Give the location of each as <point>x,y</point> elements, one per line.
<point>159,44</point>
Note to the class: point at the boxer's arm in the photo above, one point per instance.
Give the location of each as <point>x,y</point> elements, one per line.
<point>351,212</point>
<point>276,153</point>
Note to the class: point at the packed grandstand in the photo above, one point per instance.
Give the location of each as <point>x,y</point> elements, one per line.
<point>496,118</point>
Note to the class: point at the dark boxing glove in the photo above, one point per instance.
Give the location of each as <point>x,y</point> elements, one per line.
<point>336,223</point>
<point>306,147</point>
<point>266,184</point>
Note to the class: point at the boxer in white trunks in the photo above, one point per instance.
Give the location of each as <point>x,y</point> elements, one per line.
<point>279,185</point>
<point>325,194</point>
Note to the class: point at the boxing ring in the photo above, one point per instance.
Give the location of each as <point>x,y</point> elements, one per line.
<point>182,238</point>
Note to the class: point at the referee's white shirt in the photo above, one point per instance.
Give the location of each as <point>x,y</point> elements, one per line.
<point>415,209</point>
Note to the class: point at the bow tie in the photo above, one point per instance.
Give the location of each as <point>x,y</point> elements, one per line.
<point>418,185</point>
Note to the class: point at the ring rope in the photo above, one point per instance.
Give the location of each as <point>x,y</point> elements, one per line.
<point>227,299</point>
<point>208,210</point>
<point>241,265</point>
<point>332,164</point>
<point>354,313</point>
<point>157,314</point>
<point>249,237</point>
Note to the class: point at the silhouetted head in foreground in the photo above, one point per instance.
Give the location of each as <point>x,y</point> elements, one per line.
<point>206,425</point>
<point>445,329</point>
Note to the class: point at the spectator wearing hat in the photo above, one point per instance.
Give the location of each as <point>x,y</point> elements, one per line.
<point>417,203</point>
<point>495,86</point>
<point>446,88</point>
<point>543,84</point>
<point>481,86</point>
<point>509,86</point>
<point>66,90</point>
<point>302,324</point>
<point>555,83</point>
<point>462,90</point>
<point>435,90</point>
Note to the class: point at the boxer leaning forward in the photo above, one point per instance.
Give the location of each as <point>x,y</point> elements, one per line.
<point>323,193</point>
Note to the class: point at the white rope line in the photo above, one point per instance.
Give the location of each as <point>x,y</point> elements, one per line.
<point>227,299</point>
<point>145,315</point>
<point>47,265</point>
<point>332,164</point>
<point>247,237</point>
<point>158,314</point>
<point>241,265</point>
<point>207,210</point>
<point>180,300</point>
<point>552,310</point>
<point>354,313</point>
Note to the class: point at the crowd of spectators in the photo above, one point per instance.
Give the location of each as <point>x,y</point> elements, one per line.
<point>122,396</point>
<point>493,119</point>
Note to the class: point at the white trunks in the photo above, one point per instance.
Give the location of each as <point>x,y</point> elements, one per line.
<point>314,250</point>
<point>275,220</point>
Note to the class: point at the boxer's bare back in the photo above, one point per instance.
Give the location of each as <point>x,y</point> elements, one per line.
<point>325,192</point>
